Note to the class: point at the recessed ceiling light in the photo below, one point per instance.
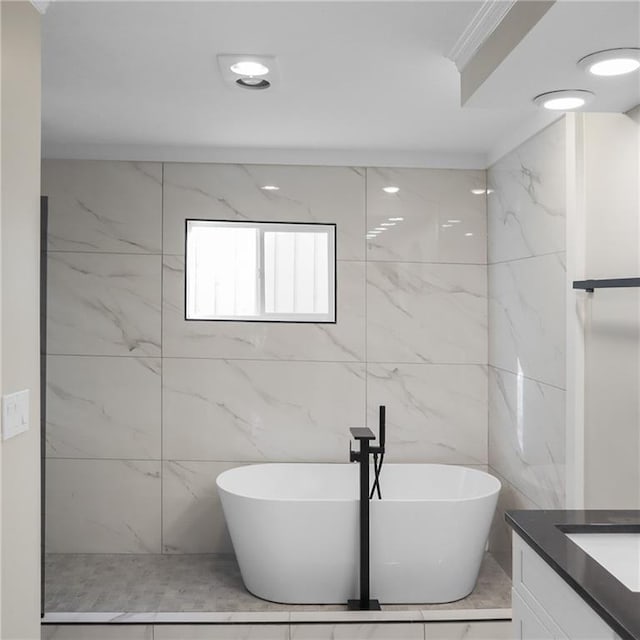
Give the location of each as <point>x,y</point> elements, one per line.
<point>564,100</point>
<point>446,226</point>
<point>387,224</point>
<point>270,187</point>
<point>478,192</point>
<point>249,68</point>
<point>468,234</point>
<point>454,221</point>
<point>379,229</point>
<point>391,189</point>
<point>611,62</point>
<point>396,219</point>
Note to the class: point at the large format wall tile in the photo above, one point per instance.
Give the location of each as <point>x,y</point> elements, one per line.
<point>426,313</point>
<point>97,632</point>
<point>527,207</point>
<point>103,407</point>
<point>232,192</point>
<point>358,631</point>
<point>342,341</point>
<point>222,632</point>
<point>435,413</point>
<point>427,200</point>
<point>192,517</point>
<point>103,304</point>
<point>526,436</point>
<point>527,311</point>
<point>254,410</point>
<point>103,506</point>
<point>104,206</point>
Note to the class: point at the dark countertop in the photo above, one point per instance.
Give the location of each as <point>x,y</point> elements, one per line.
<point>544,531</point>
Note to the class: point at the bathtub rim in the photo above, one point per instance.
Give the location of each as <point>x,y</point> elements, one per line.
<point>483,496</point>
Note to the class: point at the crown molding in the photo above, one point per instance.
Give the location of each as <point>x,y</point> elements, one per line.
<point>41,5</point>
<point>482,25</point>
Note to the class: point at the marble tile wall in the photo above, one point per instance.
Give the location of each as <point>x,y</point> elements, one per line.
<point>527,285</point>
<point>145,409</point>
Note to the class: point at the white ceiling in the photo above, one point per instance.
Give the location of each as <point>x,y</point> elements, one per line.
<point>140,79</point>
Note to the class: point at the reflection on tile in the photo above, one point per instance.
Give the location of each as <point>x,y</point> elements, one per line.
<point>358,631</point>
<point>103,206</point>
<point>435,413</point>
<point>426,313</point>
<point>192,518</point>
<point>222,632</point>
<point>97,632</point>
<point>343,341</point>
<point>490,630</point>
<point>258,410</point>
<point>233,192</point>
<point>527,207</point>
<point>527,310</point>
<point>527,436</point>
<point>103,304</point>
<point>500,534</point>
<point>427,200</point>
<point>103,506</point>
<point>103,407</point>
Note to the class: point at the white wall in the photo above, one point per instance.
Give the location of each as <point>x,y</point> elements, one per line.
<point>145,409</point>
<point>20,357</point>
<point>610,148</point>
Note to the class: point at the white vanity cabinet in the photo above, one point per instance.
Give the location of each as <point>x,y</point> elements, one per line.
<point>545,607</point>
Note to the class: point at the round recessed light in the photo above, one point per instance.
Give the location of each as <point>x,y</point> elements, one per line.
<point>446,226</point>
<point>564,100</point>
<point>611,62</point>
<point>454,221</point>
<point>253,83</point>
<point>396,219</point>
<point>270,187</point>
<point>380,229</point>
<point>468,234</point>
<point>391,189</point>
<point>387,224</point>
<point>249,68</point>
<point>478,192</point>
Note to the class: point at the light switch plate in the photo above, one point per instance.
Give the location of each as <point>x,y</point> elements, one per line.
<point>15,414</point>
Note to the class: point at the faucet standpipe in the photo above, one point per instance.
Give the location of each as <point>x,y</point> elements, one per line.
<point>364,436</point>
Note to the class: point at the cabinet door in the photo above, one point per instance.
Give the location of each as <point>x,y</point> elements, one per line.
<point>526,624</point>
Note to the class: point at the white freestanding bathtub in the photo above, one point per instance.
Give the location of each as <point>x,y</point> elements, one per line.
<point>294,529</point>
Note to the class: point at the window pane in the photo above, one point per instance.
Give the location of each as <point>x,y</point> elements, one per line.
<point>222,271</point>
<point>296,272</point>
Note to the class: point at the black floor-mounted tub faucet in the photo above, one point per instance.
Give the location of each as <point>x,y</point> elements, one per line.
<point>364,436</point>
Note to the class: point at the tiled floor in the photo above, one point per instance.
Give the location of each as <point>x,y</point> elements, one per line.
<point>196,583</point>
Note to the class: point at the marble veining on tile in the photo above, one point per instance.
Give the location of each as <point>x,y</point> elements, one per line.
<point>207,583</point>
<point>426,313</point>
<point>103,206</point>
<point>435,413</point>
<point>249,410</point>
<point>103,304</point>
<point>103,407</point>
<point>527,311</point>
<point>527,436</point>
<point>233,192</point>
<point>526,206</point>
<point>192,518</point>
<point>102,506</point>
